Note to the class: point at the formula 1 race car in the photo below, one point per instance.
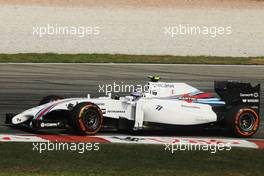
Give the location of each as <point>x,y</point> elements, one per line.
<point>235,108</point>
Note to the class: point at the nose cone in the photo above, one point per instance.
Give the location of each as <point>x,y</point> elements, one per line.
<point>19,119</point>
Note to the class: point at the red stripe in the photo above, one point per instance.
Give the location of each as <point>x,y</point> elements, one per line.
<point>198,96</point>
<point>60,138</point>
<point>259,143</point>
<point>202,95</point>
<point>43,112</point>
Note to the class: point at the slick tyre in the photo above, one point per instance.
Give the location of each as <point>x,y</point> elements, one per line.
<point>49,99</point>
<point>86,118</point>
<point>242,121</point>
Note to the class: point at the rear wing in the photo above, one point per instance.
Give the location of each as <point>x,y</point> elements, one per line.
<point>237,93</point>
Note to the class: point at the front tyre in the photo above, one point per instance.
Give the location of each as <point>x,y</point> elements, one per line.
<point>242,121</point>
<point>86,118</point>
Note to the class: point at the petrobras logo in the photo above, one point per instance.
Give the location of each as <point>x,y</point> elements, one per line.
<point>187,98</point>
<point>190,106</point>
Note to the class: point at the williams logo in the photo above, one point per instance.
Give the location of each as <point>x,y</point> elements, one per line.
<point>158,107</point>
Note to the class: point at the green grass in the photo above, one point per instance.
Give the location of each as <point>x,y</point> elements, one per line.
<point>107,58</point>
<point>117,159</point>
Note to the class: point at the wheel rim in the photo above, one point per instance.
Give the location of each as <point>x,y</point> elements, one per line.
<point>91,119</point>
<point>247,122</point>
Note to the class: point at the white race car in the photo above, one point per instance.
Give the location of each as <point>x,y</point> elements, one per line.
<point>236,108</point>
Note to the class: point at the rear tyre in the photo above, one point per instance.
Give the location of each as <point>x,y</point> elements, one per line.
<point>49,99</point>
<point>242,121</point>
<point>86,118</point>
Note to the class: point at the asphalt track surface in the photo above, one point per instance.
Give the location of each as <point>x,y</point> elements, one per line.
<point>142,30</point>
<point>23,85</point>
